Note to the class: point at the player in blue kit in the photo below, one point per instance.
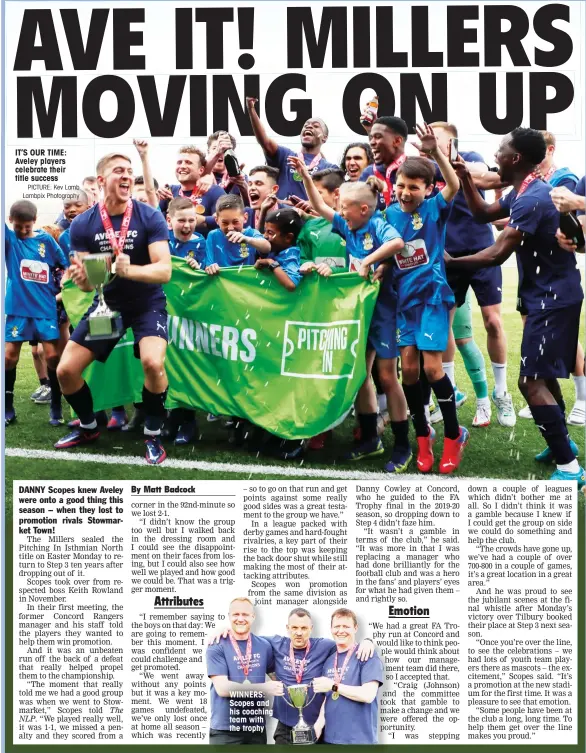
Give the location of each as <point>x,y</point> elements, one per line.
<point>550,287</point>
<point>350,710</point>
<point>30,306</point>
<point>314,135</point>
<point>282,229</point>
<point>424,297</point>
<point>235,665</point>
<point>189,171</point>
<point>139,234</point>
<point>71,209</point>
<point>231,244</point>
<point>465,236</point>
<point>365,230</point>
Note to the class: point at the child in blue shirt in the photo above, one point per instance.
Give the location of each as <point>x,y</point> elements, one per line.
<point>232,245</point>
<point>30,306</point>
<point>185,243</point>
<point>424,297</point>
<point>366,230</point>
<point>282,228</point>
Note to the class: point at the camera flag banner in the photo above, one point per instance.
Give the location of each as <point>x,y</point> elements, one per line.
<point>241,345</point>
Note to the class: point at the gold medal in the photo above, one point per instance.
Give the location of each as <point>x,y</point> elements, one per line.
<point>335,696</point>
<point>200,209</point>
<point>297,177</point>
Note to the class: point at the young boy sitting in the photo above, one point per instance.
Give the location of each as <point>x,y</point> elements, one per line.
<point>232,245</point>
<point>424,296</point>
<point>31,309</point>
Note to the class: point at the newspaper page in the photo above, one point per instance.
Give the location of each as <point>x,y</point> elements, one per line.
<point>294,392</point>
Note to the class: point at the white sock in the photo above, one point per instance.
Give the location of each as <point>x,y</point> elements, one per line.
<point>382,403</point>
<point>580,387</point>
<point>427,413</point>
<point>485,401</point>
<point>89,427</point>
<point>572,467</point>
<point>449,369</point>
<point>500,378</point>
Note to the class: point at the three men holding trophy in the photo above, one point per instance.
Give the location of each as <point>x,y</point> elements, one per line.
<point>300,663</point>
<point>136,235</point>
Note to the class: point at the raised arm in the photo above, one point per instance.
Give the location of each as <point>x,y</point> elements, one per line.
<point>430,146</point>
<point>142,148</point>
<point>312,193</point>
<point>493,256</point>
<point>388,249</point>
<point>268,145</point>
<point>481,209</point>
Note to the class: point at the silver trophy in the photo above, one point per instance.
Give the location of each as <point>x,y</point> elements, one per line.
<point>302,733</point>
<point>103,323</point>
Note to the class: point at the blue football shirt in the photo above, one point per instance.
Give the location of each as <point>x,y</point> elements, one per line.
<point>30,265</point>
<point>420,274</point>
<point>194,248</point>
<point>147,225</point>
<point>549,277</point>
<point>219,250</point>
<point>289,261</point>
<point>288,184</point>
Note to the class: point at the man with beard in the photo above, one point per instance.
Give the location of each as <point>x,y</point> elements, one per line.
<point>549,289</point>
<point>314,135</point>
<point>189,170</point>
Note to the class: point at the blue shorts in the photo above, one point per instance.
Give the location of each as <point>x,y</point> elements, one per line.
<point>550,340</point>
<point>487,284</point>
<point>150,323</point>
<point>383,327</point>
<point>425,326</point>
<point>24,328</point>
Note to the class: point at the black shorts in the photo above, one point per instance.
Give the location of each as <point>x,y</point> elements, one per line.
<point>550,340</point>
<point>149,323</point>
<point>486,282</point>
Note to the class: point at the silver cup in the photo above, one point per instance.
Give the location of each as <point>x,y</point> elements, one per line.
<point>103,323</point>
<point>302,733</point>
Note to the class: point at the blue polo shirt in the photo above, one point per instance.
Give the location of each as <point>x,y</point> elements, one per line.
<point>350,722</point>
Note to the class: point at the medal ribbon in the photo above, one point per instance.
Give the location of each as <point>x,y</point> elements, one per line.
<point>549,173</point>
<point>314,162</point>
<point>338,677</point>
<point>388,194</point>
<point>298,675</point>
<point>528,179</point>
<point>196,194</point>
<point>244,660</point>
<point>116,244</point>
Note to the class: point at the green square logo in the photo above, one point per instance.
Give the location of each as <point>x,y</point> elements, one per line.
<point>320,350</point>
